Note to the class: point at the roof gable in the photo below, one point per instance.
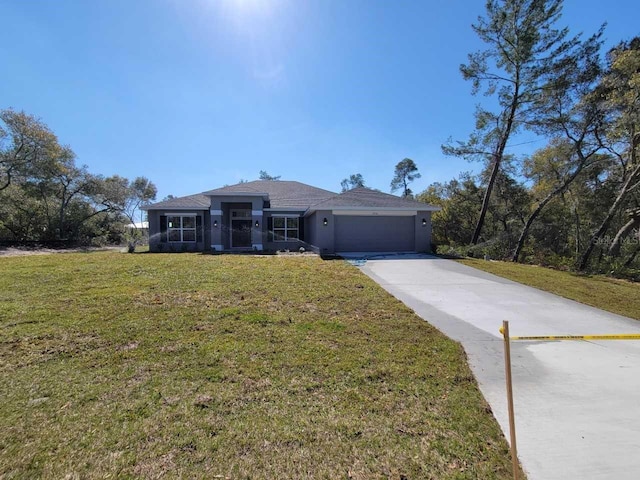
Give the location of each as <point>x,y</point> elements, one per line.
<point>281,193</point>
<point>367,198</point>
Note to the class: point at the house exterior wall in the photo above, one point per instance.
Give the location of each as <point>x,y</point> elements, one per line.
<point>423,232</point>
<point>310,232</point>
<point>327,240</point>
<point>348,230</point>
<point>153,217</point>
<point>321,236</point>
<point>294,245</point>
<point>220,216</point>
<point>159,244</point>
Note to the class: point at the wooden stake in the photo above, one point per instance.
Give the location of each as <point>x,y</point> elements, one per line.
<point>512,422</point>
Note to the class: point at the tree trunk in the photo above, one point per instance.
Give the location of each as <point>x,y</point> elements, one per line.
<point>497,159</point>
<point>632,257</point>
<point>614,249</point>
<point>607,220</point>
<point>7,181</point>
<point>561,189</point>
<point>577,220</point>
<point>527,226</point>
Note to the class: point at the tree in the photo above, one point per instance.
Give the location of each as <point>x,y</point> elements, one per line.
<point>26,144</point>
<point>406,171</point>
<point>619,93</point>
<point>141,192</point>
<point>630,226</point>
<point>508,208</point>
<point>265,176</point>
<point>45,195</point>
<point>21,215</point>
<point>459,200</point>
<point>62,184</point>
<point>118,194</point>
<point>121,195</point>
<point>564,109</point>
<point>354,181</point>
<point>554,169</point>
<point>522,44</point>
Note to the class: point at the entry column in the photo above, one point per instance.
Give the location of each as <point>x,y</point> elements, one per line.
<point>216,230</point>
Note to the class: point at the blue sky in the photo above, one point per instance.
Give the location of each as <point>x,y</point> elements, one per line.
<point>195,94</point>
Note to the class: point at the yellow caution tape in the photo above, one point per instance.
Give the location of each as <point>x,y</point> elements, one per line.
<point>622,336</point>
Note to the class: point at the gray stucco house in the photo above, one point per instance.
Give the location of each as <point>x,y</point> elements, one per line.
<point>275,215</point>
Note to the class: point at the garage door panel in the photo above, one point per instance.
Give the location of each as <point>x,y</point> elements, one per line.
<point>374,233</point>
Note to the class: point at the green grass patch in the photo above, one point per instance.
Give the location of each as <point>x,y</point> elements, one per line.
<point>196,366</point>
<point>610,294</point>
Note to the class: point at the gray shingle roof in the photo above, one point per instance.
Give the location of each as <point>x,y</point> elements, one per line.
<point>367,198</point>
<point>296,196</point>
<point>197,201</point>
<point>281,193</point>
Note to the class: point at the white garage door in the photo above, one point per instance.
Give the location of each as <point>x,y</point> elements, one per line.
<point>374,233</point>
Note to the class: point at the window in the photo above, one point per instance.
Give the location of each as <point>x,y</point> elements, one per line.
<point>285,228</point>
<point>241,213</point>
<point>181,228</point>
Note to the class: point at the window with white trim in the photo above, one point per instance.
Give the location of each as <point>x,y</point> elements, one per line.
<point>181,228</point>
<point>285,228</point>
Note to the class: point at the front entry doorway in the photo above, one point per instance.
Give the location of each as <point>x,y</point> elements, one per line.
<point>240,228</point>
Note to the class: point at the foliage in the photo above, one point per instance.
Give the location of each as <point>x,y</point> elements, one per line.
<point>127,198</point>
<point>354,181</point>
<point>405,172</point>
<point>522,46</point>
<point>458,200</point>
<point>619,94</point>
<point>559,233</point>
<point>46,196</point>
<point>265,176</point>
<point>575,202</point>
<point>27,147</point>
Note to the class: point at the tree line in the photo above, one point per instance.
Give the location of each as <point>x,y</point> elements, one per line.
<point>575,202</point>
<point>45,196</point>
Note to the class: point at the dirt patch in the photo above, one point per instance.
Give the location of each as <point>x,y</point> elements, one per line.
<point>20,251</point>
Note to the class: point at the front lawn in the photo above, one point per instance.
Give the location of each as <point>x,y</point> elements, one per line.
<point>196,366</point>
<point>610,294</point>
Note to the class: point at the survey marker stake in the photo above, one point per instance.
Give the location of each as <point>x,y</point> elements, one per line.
<point>512,423</point>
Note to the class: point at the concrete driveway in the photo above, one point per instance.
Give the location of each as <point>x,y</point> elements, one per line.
<point>577,402</point>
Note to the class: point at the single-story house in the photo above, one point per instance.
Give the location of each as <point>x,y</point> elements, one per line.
<point>267,215</point>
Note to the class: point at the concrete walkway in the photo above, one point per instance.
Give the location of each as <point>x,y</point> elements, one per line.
<point>577,402</point>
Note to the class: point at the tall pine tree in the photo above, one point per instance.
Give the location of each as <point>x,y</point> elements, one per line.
<point>522,45</point>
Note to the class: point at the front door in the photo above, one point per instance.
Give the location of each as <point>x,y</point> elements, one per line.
<point>240,228</point>
<point>240,233</point>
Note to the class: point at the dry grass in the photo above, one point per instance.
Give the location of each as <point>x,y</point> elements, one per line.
<point>195,366</point>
